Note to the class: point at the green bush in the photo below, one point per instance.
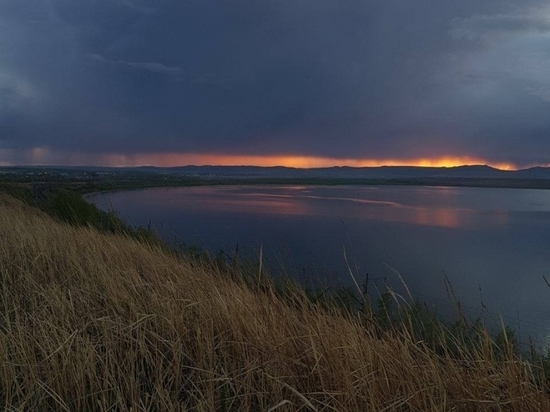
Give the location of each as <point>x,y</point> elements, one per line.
<point>72,208</point>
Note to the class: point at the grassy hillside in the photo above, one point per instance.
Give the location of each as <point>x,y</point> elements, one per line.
<point>96,321</point>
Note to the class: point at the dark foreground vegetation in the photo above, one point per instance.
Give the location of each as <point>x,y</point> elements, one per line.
<point>100,316</point>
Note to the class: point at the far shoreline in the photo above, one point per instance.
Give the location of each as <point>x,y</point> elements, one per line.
<point>94,180</point>
<point>529,184</point>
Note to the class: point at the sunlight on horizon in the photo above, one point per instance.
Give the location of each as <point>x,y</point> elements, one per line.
<point>171,160</point>
<point>46,157</point>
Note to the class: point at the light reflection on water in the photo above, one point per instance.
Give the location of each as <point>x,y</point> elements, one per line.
<point>301,202</point>
<point>492,244</point>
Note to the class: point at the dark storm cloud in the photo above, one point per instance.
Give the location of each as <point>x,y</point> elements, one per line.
<point>481,26</point>
<point>154,67</point>
<point>355,78</point>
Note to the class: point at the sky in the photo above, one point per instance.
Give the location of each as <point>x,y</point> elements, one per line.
<point>275,82</point>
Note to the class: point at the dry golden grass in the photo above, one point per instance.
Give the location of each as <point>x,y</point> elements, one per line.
<point>97,322</point>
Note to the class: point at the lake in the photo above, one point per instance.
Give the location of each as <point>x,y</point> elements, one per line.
<point>490,245</point>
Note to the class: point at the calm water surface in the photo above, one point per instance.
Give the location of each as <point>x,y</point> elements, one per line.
<point>491,244</point>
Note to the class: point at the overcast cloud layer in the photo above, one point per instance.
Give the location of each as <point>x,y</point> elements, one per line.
<point>350,79</point>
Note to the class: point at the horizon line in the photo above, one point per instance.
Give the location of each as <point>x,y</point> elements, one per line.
<point>44,157</point>
<point>137,166</point>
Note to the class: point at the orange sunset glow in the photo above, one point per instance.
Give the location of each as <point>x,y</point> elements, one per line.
<point>179,159</point>
<point>45,156</point>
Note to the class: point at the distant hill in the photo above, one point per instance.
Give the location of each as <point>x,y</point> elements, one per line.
<point>384,172</point>
<point>419,175</point>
